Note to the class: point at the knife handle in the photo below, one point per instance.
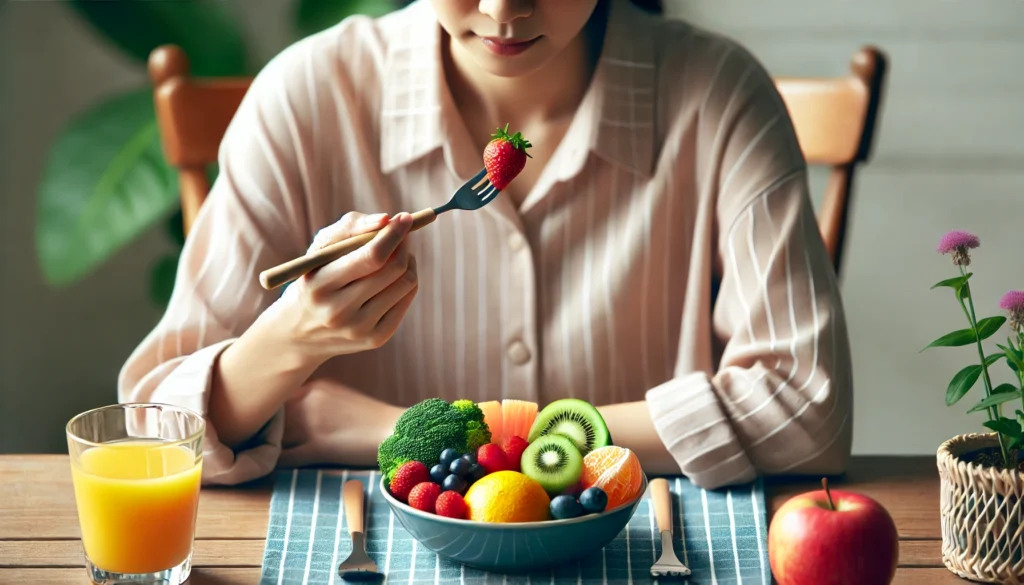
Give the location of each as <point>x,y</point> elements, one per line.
<point>354,499</point>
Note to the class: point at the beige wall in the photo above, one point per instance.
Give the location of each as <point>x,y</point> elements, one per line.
<point>950,155</point>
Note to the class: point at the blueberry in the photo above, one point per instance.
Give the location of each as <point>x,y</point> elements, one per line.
<point>476,472</point>
<point>454,483</point>
<point>438,473</point>
<point>448,455</point>
<point>594,500</point>
<point>563,507</point>
<point>460,467</point>
<point>470,457</point>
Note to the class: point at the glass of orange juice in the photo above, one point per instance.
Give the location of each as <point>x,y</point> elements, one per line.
<point>136,470</point>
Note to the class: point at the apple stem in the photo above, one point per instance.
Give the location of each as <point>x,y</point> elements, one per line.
<point>824,485</point>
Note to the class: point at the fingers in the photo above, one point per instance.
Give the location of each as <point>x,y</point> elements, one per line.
<point>351,224</point>
<point>367,260</point>
<point>360,292</point>
<point>381,302</point>
<point>387,326</point>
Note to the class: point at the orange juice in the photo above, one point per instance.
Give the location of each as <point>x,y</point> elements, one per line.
<point>137,502</point>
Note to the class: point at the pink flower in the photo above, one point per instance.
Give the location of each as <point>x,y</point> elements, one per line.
<point>957,242</point>
<point>1013,303</point>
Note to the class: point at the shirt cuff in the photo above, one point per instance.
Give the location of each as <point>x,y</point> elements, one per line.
<point>188,386</point>
<point>694,428</point>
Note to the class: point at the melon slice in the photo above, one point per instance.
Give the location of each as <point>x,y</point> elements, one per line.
<point>493,418</point>
<point>517,417</point>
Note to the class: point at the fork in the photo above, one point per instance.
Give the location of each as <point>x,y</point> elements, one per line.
<point>474,194</point>
<point>358,566</point>
<point>668,565</point>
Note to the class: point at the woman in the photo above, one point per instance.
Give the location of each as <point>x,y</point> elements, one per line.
<point>658,256</point>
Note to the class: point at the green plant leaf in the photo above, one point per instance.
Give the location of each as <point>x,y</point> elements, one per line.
<point>988,326</point>
<point>313,16</point>
<point>1004,426</point>
<point>206,32</point>
<point>961,383</point>
<point>105,181</point>
<point>957,338</point>
<point>993,358</point>
<point>161,279</point>
<point>1002,393</point>
<point>955,283</point>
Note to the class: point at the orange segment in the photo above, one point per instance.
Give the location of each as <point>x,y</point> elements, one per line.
<point>616,470</point>
<point>517,417</point>
<point>493,418</point>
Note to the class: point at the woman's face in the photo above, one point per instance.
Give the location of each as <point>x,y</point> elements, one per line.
<point>511,38</point>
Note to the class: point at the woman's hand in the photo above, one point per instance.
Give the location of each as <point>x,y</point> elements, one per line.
<point>328,423</point>
<point>356,302</point>
<point>352,304</point>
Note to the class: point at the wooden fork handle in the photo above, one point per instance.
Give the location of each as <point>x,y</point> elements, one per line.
<point>352,495</point>
<point>662,504</point>
<point>272,278</point>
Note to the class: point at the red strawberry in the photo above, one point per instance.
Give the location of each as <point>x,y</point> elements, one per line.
<point>451,505</point>
<point>513,447</point>
<point>505,156</point>
<point>424,496</point>
<point>406,477</point>
<point>492,458</point>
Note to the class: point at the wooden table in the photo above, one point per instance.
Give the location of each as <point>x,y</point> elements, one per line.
<point>39,528</point>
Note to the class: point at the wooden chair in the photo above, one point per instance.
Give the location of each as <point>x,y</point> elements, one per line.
<point>192,114</point>
<point>835,122</point>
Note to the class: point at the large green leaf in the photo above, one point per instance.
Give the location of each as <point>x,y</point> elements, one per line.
<point>202,28</point>
<point>313,16</point>
<point>961,384</point>
<point>1000,394</point>
<point>105,182</point>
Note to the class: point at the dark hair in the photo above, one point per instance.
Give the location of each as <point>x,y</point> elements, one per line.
<point>654,6</point>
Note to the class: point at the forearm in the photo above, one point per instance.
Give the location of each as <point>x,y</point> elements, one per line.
<point>252,379</point>
<point>631,427</point>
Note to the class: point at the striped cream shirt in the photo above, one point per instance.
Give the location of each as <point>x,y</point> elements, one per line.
<point>668,253</point>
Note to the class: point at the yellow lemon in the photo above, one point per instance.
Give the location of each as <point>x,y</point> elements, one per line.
<point>507,496</point>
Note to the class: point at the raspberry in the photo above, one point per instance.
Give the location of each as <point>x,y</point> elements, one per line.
<point>514,447</point>
<point>424,496</point>
<point>451,505</point>
<point>492,458</point>
<point>406,477</point>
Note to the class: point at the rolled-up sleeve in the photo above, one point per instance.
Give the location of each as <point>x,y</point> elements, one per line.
<point>253,218</point>
<point>780,398</point>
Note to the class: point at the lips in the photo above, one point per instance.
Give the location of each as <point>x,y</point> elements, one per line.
<point>507,47</point>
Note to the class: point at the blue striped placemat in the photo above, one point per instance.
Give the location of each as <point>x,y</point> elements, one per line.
<point>725,538</point>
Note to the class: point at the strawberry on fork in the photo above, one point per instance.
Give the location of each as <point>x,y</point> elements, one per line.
<point>505,156</point>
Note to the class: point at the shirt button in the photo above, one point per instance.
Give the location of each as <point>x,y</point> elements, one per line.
<point>518,353</point>
<point>516,242</point>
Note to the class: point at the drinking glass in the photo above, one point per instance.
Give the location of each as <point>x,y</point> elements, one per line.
<point>137,471</point>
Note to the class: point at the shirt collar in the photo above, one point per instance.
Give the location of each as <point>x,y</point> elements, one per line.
<point>615,119</point>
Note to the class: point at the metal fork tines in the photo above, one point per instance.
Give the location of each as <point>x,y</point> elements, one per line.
<point>668,564</point>
<point>358,566</point>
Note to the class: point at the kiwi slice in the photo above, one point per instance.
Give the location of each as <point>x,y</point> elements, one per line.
<point>554,462</point>
<point>574,419</point>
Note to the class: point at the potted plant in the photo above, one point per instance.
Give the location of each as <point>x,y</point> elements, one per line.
<point>982,474</point>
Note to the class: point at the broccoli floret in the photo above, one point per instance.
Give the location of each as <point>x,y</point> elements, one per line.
<point>421,433</point>
<point>477,431</point>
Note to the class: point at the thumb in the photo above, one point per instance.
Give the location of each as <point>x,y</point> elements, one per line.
<point>351,224</point>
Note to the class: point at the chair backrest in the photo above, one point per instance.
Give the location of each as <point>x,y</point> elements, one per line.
<point>192,113</point>
<point>835,121</point>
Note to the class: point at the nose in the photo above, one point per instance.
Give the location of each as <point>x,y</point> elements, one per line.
<point>505,11</point>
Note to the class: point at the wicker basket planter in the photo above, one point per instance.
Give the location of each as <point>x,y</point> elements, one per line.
<point>982,513</point>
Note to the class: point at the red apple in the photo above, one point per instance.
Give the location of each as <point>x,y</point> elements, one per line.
<point>832,538</point>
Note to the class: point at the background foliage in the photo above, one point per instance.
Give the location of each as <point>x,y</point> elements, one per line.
<point>106,180</point>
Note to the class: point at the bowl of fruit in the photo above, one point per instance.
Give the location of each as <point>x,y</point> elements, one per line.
<point>502,487</point>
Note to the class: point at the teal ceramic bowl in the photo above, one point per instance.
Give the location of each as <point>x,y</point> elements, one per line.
<point>513,547</point>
